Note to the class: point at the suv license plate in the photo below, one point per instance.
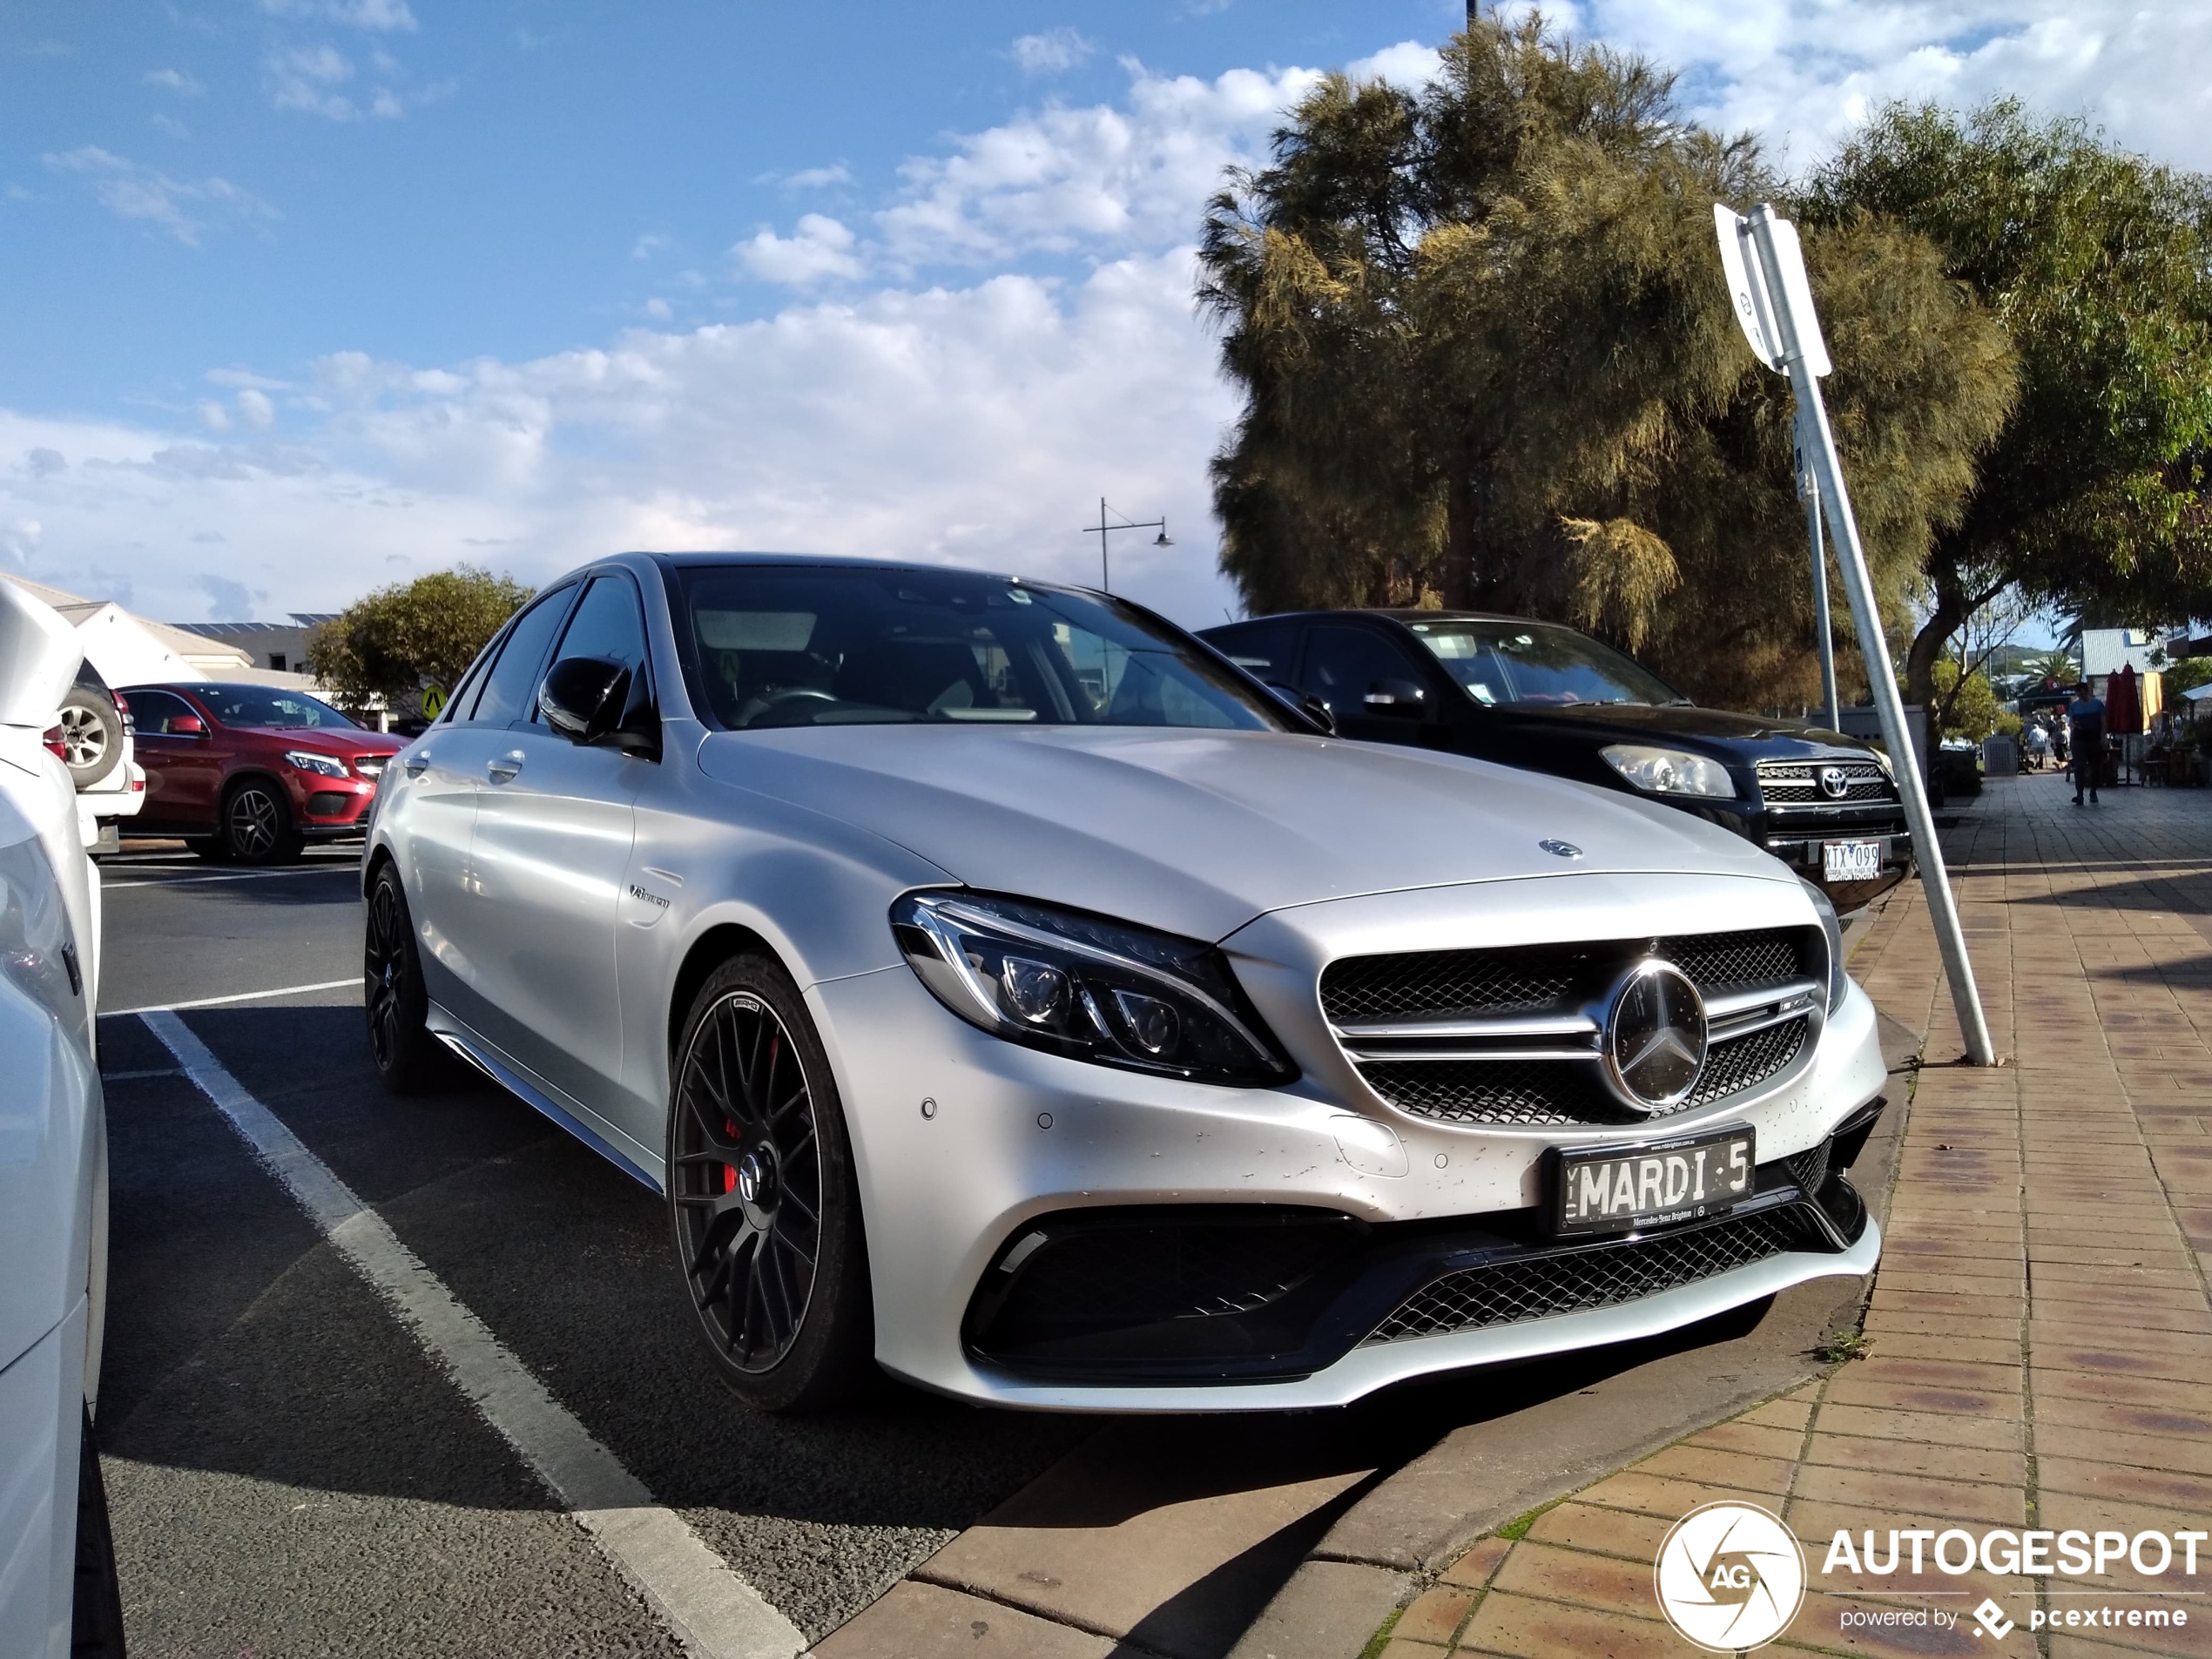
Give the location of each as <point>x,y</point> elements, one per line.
<point>1850,861</point>
<point>1622,1188</point>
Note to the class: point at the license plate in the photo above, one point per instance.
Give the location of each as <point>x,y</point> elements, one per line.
<point>1850,861</point>
<point>1620,1189</point>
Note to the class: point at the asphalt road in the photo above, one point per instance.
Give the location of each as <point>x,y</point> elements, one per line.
<point>290,1474</point>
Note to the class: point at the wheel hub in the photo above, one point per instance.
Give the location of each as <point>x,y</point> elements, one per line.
<point>757,1186</point>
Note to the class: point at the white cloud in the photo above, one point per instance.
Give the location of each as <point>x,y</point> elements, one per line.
<point>658,309</point>
<point>214,415</point>
<point>819,248</point>
<point>180,206</point>
<point>810,178</point>
<point>647,245</point>
<point>1804,72</point>
<point>255,410</point>
<point>304,77</point>
<point>966,427</point>
<point>1054,50</point>
<point>376,16</point>
<point>1104,177</point>
<point>175,80</point>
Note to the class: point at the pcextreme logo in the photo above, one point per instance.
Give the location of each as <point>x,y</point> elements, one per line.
<point>1730,1576</point>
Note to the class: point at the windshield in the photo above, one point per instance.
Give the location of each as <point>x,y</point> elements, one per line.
<point>263,705</point>
<point>781,646</point>
<point>1528,663</point>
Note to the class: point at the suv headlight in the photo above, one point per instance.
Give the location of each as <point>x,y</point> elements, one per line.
<point>1833,927</point>
<point>1085,988</point>
<point>322,766</point>
<point>1669,772</point>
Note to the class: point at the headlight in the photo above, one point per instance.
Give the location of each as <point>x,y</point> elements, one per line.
<point>323,766</point>
<point>1669,772</point>
<point>1838,978</point>
<point>1088,988</point>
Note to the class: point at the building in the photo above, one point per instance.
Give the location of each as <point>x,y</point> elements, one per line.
<point>281,646</point>
<point>2106,650</point>
<point>130,650</point>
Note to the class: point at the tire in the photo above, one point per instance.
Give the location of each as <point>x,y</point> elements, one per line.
<point>96,1625</point>
<point>91,735</point>
<point>211,847</point>
<point>756,1141</point>
<point>256,826</point>
<point>409,1060</point>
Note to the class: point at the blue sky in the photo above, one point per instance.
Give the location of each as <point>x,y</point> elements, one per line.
<point>301,296</point>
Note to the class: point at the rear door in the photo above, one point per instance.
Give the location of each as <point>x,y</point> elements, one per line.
<point>434,808</point>
<point>554,825</point>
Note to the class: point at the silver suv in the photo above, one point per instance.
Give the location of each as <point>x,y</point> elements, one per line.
<point>1006,989</point>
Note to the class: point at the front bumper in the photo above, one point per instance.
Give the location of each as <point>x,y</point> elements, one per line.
<point>1801,850</point>
<point>330,809</point>
<point>962,1141</point>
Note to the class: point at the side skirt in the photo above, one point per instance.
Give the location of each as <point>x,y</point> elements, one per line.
<point>510,1076</point>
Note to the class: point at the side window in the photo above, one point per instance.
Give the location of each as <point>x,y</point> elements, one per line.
<point>1263,650</point>
<point>1342,663</point>
<point>151,711</point>
<point>509,688</point>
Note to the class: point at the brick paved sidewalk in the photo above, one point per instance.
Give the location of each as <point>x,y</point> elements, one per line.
<point>2041,1336</point>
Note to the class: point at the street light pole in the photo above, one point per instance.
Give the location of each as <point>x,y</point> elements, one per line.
<point>1104,529</point>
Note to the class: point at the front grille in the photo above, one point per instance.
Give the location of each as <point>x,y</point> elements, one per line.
<point>370,766</point>
<point>1557,979</point>
<point>1528,1093</point>
<point>1739,1063</point>
<point>328,803</point>
<point>1448,984</point>
<point>1600,1276</point>
<point>1797,783</point>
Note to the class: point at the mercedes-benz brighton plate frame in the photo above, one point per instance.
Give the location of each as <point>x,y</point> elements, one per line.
<point>1654,1183</point>
<point>1240,1086</point>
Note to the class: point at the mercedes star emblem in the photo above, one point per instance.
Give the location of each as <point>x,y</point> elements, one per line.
<point>1654,1037</point>
<point>1561,849</point>
<point>1835,782</point>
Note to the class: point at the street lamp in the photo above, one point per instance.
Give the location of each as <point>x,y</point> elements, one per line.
<point>1102,528</point>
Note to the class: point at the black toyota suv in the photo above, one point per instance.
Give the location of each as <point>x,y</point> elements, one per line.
<point>1544,697</point>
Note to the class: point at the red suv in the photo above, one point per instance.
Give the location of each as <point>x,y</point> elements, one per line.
<point>251,772</point>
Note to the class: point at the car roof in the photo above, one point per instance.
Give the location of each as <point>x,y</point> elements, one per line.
<point>836,562</point>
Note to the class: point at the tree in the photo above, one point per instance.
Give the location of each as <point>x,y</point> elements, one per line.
<point>2053,665</point>
<point>1488,359</point>
<point>2098,263</point>
<point>398,637</point>
<point>1968,706</point>
<point>2185,674</point>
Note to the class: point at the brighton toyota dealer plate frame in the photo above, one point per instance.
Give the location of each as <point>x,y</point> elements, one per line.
<point>1600,1190</point>
<point>1850,861</point>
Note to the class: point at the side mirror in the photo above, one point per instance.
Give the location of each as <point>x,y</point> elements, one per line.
<point>597,699</point>
<point>1306,704</point>
<point>1395,697</point>
<point>187,725</point>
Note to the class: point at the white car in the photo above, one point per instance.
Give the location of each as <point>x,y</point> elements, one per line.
<point>99,747</point>
<point>1003,986</point>
<point>57,1591</point>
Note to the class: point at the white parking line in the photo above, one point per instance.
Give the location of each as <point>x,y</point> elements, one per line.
<point>713,1611</point>
<point>240,875</point>
<point>242,996</point>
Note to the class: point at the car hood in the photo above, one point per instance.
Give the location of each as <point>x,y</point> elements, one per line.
<point>1650,723</point>
<point>1198,832</point>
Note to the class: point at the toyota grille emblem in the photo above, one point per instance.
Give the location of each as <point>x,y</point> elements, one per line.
<point>1654,1037</point>
<point>1835,782</point>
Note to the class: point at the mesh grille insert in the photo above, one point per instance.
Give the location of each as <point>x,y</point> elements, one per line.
<point>1448,984</point>
<point>1601,1277</point>
<point>1498,1091</point>
<point>1740,1062</point>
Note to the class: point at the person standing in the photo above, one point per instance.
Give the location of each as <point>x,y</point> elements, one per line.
<point>2085,719</point>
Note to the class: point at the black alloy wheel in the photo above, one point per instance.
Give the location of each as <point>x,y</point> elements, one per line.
<point>408,1059</point>
<point>762,1197</point>
<point>257,824</point>
<point>96,1617</point>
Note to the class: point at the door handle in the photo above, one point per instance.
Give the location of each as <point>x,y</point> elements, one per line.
<point>502,770</point>
<point>415,765</point>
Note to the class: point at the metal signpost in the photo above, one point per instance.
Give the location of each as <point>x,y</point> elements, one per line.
<point>1773,305</point>
<point>1825,630</point>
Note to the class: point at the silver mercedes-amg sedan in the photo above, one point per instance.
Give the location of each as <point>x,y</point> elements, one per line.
<point>1006,991</point>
